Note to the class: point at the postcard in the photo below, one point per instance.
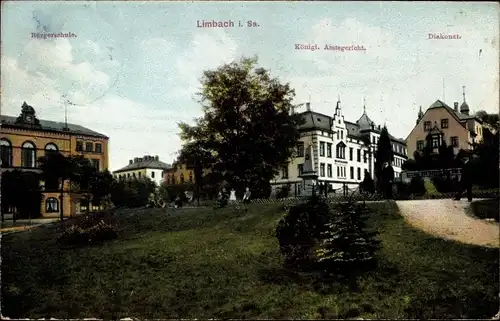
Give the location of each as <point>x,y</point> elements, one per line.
<point>262,160</point>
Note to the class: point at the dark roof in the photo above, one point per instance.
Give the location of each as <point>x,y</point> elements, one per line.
<point>144,163</point>
<point>315,120</point>
<point>458,115</point>
<point>48,125</point>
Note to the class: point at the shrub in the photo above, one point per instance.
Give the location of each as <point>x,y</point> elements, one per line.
<point>93,228</point>
<point>402,190</point>
<point>284,191</point>
<point>444,184</point>
<point>298,232</point>
<point>417,186</point>
<point>367,185</point>
<point>346,246</point>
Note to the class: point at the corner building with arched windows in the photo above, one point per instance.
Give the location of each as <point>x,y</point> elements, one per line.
<point>25,138</point>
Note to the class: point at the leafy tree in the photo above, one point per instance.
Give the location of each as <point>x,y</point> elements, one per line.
<point>132,193</point>
<point>247,132</point>
<point>446,157</point>
<point>100,186</point>
<point>57,167</point>
<point>384,152</point>
<point>491,119</point>
<point>486,160</point>
<point>21,192</point>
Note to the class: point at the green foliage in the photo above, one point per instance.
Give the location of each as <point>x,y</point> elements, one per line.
<point>21,191</point>
<point>132,193</point>
<point>284,191</point>
<point>247,132</point>
<point>93,228</point>
<point>299,232</point>
<point>486,160</point>
<point>384,152</point>
<point>417,186</point>
<point>367,185</point>
<point>445,184</point>
<point>347,247</point>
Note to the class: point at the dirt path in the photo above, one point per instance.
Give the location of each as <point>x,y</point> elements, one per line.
<point>448,219</point>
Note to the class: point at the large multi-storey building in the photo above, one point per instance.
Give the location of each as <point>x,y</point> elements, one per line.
<point>147,166</point>
<point>441,123</point>
<point>342,150</point>
<point>25,138</point>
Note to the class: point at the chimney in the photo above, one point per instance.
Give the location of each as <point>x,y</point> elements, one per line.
<point>131,161</point>
<point>136,159</point>
<point>308,106</point>
<point>157,158</point>
<point>455,105</point>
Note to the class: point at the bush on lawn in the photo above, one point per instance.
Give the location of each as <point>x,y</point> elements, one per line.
<point>445,184</point>
<point>284,191</point>
<point>347,246</point>
<point>93,228</point>
<point>417,186</point>
<point>300,229</point>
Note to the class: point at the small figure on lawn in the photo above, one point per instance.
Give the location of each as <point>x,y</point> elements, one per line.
<point>246,196</point>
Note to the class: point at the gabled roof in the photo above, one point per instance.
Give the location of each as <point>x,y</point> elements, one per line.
<point>48,125</point>
<point>456,114</point>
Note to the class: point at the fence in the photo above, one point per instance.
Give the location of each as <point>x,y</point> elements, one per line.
<point>451,172</point>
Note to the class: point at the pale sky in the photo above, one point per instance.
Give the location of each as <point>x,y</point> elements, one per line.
<point>133,70</point>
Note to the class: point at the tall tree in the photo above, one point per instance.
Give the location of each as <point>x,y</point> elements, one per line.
<point>384,152</point>
<point>491,119</point>
<point>247,132</point>
<point>56,166</point>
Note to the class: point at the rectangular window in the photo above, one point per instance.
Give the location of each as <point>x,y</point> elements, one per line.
<point>435,142</point>
<point>359,174</point>
<point>374,140</point>
<point>420,145</point>
<point>351,152</point>
<point>79,146</point>
<point>364,157</point>
<point>359,155</point>
<point>329,170</point>
<point>300,149</point>
<point>329,150</point>
<point>322,149</point>
<point>96,164</point>
<point>300,169</point>
<point>284,172</point>
<point>427,125</point>
<point>98,148</point>
<point>341,134</point>
<point>88,146</point>
<point>352,172</point>
<point>338,171</point>
<point>322,170</point>
<point>454,141</point>
<point>152,174</point>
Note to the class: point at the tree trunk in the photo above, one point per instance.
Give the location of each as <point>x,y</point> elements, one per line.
<point>61,201</point>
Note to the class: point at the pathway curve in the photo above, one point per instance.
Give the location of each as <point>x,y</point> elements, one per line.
<point>448,219</point>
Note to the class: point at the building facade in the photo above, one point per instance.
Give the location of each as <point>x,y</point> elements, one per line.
<point>441,123</point>
<point>147,166</point>
<point>180,174</point>
<point>341,151</point>
<point>25,138</point>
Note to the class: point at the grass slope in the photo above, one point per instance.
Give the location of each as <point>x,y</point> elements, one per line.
<point>195,263</point>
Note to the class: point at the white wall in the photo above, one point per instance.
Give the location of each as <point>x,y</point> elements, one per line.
<point>157,175</point>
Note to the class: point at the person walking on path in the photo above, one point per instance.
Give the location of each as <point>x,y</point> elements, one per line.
<point>387,180</point>
<point>466,180</point>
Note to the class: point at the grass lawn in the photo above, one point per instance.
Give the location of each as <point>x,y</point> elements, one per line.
<point>194,263</point>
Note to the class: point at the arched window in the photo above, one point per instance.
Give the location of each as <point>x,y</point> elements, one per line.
<point>182,178</point>
<point>28,155</point>
<point>6,152</point>
<point>341,150</point>
<point>51,148</point>
<point>51,205</point>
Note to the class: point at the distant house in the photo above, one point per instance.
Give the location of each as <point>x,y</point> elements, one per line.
<point>147,166</point>
<point>441,123</point>
<point>180,174</point>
